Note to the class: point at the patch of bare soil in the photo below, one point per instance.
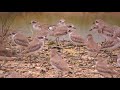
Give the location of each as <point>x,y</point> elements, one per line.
<point>38,65</point>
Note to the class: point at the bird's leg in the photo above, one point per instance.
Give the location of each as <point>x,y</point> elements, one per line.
<point>46,38</point>
<point>20,55</point>
<point>57,40</point>
<point>76,46</point>
<point>20,49</point>
<point>79,52</point>
<point>28,57</point>
<point>60,74</point>
<point>32,32</point>
<point>63,41</point>
<point>96,54</point>
<point>4,62</point>
<point>30,60</point>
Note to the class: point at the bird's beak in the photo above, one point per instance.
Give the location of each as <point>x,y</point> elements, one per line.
<point>90,30</point>
<point>10,34</point>
<point>46,38</point>
<point>74,28</point>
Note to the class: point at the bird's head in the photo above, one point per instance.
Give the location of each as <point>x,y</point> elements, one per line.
<point>33,22</point>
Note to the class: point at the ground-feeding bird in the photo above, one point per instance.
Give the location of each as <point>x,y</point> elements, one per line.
<point>112,45</point>
<point>92,46</point>
<point>104,68</point>
<point>101,26</point>
<point>40,29</point>
<point>44,32</point>
<point>101,31</point>
<point>75,38</point>
<point>118,60</point>
<point>20,39</point>
<point>105,30</point>
<point>58,31</point>
<point>109,32</point>
<point>58,62</point>
<point>35,45</point>
<point>36,25</point>
<point>14,75</point>
<point>61,22</point>
<point>116,31</point>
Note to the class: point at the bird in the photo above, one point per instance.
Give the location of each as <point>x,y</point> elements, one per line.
<point>104,29</point>
<point>118,60</point>
<point>100,24</point>
<point>20,39</point>
<point>58,31</point>
<point>75,38</point>
<point>116,31</point>
<point>57,61</point>
<point>35,45</point>
<point>36,25</point>
<point>14,75</point>
<point>104,68</point>
<point>44,32</point>
<point>40,29</point>
<point>112,45</point>
<point>61,22</point>
<point>91,45</point>
<point>99,29</point>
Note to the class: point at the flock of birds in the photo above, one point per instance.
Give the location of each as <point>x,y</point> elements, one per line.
<point>110,33</point>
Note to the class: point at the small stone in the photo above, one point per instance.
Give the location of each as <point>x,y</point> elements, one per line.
<point>1,71</point>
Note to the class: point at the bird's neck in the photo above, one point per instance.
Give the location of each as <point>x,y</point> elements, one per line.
<point>35,26</point>
<point>70,34</point>
<point>13,36</point>
<point>90,40</point>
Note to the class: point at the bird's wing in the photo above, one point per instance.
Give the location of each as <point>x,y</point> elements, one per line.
<point>34,45</point>
<point>60,64</point>
<point>21,42</point>
<point>105,68</point>
<point>77,38</point>
<point>19,38</point>
<point>34,48</point>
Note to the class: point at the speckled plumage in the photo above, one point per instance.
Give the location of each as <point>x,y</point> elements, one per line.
<point>20,39</point>
<point>57,61</point>
<point>103,67</point>
<point>35,45</point>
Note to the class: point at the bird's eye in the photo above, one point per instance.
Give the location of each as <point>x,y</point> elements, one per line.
<point>40,37</point>
<point>96,22</point>
<point>34,21</point>
<point>94,27</point>
<point>93,22</point>
<point>13,33</point>
<point>69,30</point>
<point>69,26</point>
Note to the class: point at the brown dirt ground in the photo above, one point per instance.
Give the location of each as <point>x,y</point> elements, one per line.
<point>38,65</point>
